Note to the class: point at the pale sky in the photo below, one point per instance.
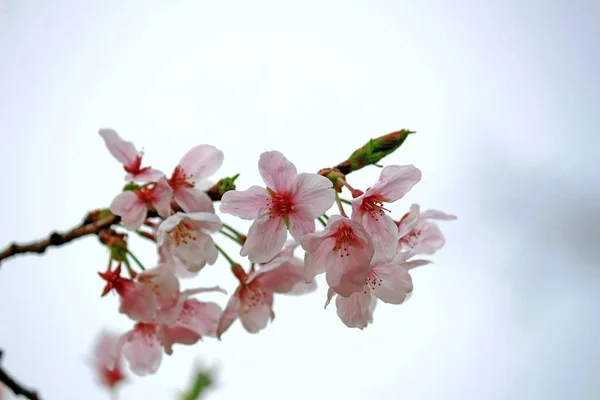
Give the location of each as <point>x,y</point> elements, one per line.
<point>504,97</point>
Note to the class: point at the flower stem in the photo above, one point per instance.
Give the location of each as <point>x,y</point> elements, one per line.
<point>225,255</point>
<point>340,206</point>
<point>233,230</point>
<point>322,221</point>
<point>132,273</point>
<point>346,201</point>
<point>230,236</point>
<point>146,235</point>
<point>325,216</point>
<point>135,259</point>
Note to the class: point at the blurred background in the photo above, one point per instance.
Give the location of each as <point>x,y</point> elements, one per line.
<point>504,97</point>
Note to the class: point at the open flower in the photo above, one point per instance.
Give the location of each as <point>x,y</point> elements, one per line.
<point>109,377</point>
<point>133,205</point>
<point>131,159</point>
<point>194,167</point>
<point>343,250</point>
<point>141,348</point>
<point>252,301</point>
<point>394,182</point>
<point>388,282</point>
<point>142,298</point>
<point>185,237</point>
<point>419,234</point>
<point>290,201</point>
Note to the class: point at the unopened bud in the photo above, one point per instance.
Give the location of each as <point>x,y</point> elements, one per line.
<point>335,176</point>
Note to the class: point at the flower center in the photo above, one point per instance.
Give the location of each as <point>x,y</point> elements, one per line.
<point>344,239</point>
<point>279,204</point>
<point>373,280</point>
<point>182,234</point>
<point>180,179</point>
<point>374,206</point>
<point>412,238</point>
<point>252,295</point>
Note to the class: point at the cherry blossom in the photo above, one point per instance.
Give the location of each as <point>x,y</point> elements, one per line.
<point>343,250</point>
<point>194,167</point>
<point>154,289</point>
<point>367,208</point>
<point>185,237</point>
<point>388,282</point>
<point>131,159</point>
<point>196,319</point>
<point>108,377</point>
<point>141,348</point>
<point>252,301</point>
<point>419,234</point>
<point>291,201</point>
<point>133,205</point>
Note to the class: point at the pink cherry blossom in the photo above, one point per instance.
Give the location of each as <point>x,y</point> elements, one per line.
<point>154,289</point>
<point>194,167</point>
<point>394,182</point>
<point>131,159</point>
<point>343,250</point>
<point>252,301</point>
<point>419,234</point>
<point>141,348</point>
<point>108,377</point>
<point>133,205</point>
<point>388,282</point>
<point>185,237</point>
<point>291,201</point>
<point>197,319</point>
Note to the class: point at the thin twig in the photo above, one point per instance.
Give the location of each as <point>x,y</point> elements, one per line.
<point>16,387</point>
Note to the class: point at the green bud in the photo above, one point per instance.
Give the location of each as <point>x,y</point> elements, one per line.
<point>375,149</point>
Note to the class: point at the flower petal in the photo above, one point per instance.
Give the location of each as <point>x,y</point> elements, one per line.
<point>201,162</point>
<point>409,220</point>
<point>193,200</point>
<point>384,234</point>
<point>146,175</point>
<point>301,222</point>
<point>356,311</point>
<point>277,172</point>
<point>316,261</point>
<point>347,272</point>
<point>254,317</point>
<point>435,214</point>
<point>266,237</point>
<point>161,198</point>
<point>130,208</point>
<point>315,192</point>
<point>394,182</point>
<point>229,315</point>
<point>163,284</point>
<point>390,283</point>
<point>120,149</point>
<point>142,350</point>
<point>283,278</point>
<point>245,204</point>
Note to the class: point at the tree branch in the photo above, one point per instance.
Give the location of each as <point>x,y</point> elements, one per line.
<point>16,387</point>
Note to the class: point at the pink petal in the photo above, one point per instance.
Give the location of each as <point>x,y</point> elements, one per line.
<point>195,254</point>
<point>204,220</point>
<point>266,237</point>
<point>142,350</point>
<point>229,315</point>
<point>390,283</point>
<point>356,311</point>
<point>283,278</point>
<point>130,208</point>
<point>123,151</point>
<point>302,288</point>
<point>348,273</point>
<point>138,302</point>
<point>161,198</point>
<point>278,173</point>
<point>409,221</point>
<point>384,234</point>
<point>314,192</point>
<point>169,335</point>
<point>395,181</point>
<point>193,200</point>
<point>254,317</point>
<point>245,204</point>
<point>301,222</point>
<point>431,239</point>
<point>146,175</point>
<point>200,317</point>
<point>315,262</point>
<point>439,215</point>
<point>201,162</point>
<point>163,284</point>
<point>330,294</point>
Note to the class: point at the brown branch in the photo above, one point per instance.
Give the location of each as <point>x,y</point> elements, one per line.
<point>16,387</point>
<point>90,226</point>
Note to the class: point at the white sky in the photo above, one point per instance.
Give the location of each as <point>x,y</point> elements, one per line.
<point>504,96</point>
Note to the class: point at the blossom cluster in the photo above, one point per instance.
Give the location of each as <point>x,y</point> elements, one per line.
<point>366,256</point>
